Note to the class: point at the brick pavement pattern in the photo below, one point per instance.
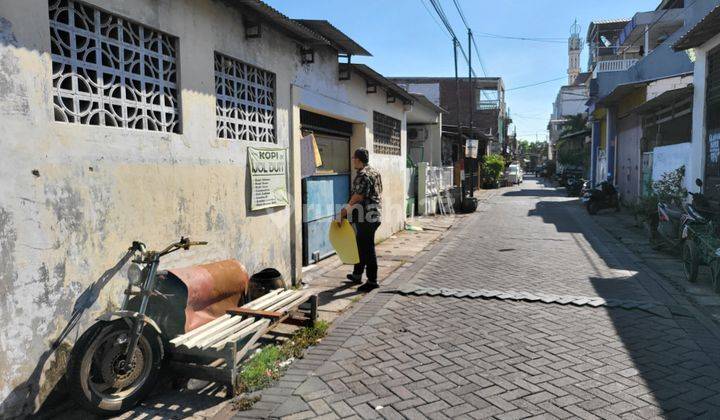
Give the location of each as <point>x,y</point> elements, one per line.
<point>407,356</point>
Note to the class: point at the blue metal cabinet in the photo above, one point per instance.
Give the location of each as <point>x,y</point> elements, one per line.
<point>323,196</point>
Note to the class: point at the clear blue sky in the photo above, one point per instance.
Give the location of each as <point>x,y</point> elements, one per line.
<point>405,41</point>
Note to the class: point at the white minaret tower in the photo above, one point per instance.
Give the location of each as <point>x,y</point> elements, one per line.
<point>574,49</point>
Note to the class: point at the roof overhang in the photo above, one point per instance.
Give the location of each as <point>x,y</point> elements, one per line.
<point>423,100</point>
<point>256,9</point>
<point>600,25</point>
<point>339,40</point>
<point>620,92</point>
<point>584,132</point>
<point>707,28</point>
<point>665,100</point>
<point>374,78</point>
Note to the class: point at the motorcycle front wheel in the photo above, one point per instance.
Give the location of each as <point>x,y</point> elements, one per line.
<point>592,207</point>
<point>101,380</point>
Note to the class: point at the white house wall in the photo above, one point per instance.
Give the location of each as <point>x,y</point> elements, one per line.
<point>696,168</point>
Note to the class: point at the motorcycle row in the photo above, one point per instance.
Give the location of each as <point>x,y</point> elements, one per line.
<point>692,229</point>
<point>602,196</point>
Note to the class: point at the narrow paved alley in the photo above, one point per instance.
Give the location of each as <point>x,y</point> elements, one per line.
<point>527,308</point>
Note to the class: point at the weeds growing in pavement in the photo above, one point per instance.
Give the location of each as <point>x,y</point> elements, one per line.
<point>269,363</point>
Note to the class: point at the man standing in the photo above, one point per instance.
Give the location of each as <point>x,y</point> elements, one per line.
<point>363,211</point>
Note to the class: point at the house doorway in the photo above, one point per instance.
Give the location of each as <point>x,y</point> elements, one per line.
<point>324,193</point>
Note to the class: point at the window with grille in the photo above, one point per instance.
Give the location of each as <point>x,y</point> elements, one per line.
<point>109,71</point>
<point>386,134</point>
<point>245,101</point>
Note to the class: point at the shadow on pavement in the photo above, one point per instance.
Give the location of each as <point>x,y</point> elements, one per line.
<point>535,193</point>
<point>673,357</point>
<point>676,358</point>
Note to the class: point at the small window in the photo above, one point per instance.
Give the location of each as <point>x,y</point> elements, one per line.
<point>386,134</point>
<point>245,101</point>
<point>109,71</point>
<point>486,99</point>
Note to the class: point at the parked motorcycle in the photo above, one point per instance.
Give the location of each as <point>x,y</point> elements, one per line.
<point>666,226</point>
<point>117,361</point>
<point>603,196</point>
<point>701,239</point>
<point>574,186</point>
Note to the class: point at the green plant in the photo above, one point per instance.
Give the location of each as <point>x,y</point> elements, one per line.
<point>493,166</point>
<point>670,189</point>
<point>270,362</point>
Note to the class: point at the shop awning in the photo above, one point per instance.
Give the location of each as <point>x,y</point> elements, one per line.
<point>706,28</point>
<point>579,133</point>
<point>665,100</point>
<point>620,92</point>
<point>375,78</point>
<point>343,43</point>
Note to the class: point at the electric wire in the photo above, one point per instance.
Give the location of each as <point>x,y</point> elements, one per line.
<point>535,84</point>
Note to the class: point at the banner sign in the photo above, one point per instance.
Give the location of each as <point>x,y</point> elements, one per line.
<point>268,177</point>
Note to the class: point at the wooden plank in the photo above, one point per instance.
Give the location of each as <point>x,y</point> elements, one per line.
<point>218,327</point>
<point>295,304</point>
<point>211,341</point>
<point>196,353</point>
<point>287,302</point>
<point>184,337</point>
<point>208,373</point>
<point>263,298</point>
<point>272,301</point>
<point>261,325</point>
<point>254,313</point>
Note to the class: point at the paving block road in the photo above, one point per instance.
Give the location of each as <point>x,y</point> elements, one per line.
<point>535,349</point>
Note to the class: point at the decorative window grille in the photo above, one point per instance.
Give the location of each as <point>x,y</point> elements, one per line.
<point>245,101</point>
<point>108,71</point>
<point>386,134</point>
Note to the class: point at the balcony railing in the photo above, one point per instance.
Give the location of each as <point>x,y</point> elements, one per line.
<point>614,65</point>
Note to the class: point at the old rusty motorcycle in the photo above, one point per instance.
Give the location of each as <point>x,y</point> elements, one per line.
<point>117,361</point>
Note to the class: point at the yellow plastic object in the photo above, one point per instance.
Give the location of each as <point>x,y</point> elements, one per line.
<point>342,239</point>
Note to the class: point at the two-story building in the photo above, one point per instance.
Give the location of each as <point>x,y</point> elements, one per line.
<point>480,101</point>
<point>641,96</point>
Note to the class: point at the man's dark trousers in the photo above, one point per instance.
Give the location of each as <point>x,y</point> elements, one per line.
<point>365,237</point>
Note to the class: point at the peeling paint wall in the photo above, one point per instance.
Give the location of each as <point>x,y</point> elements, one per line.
<point>73,196</point>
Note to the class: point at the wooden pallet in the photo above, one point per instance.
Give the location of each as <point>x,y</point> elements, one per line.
<point>215,350</point>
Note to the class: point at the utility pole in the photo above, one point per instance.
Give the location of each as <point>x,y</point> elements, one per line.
<point>457,97</point>
<point>471,84</point>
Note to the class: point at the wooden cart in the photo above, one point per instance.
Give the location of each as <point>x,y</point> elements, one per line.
<point>215,350</point>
